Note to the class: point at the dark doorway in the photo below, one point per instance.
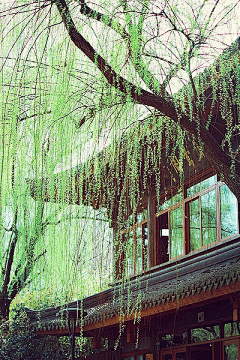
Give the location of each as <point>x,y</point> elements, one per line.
<point>162,239</point>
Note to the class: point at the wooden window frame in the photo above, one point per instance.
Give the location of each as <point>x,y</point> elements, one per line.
<point>231,342</point>
<point>185,211</point>
<point>122,256</point>
<point>172,351</point>
<point>135,354</point>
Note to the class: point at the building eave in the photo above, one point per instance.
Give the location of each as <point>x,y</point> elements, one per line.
<point>212,277</point>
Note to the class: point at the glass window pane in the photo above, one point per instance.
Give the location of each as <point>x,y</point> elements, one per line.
<point>141,216</point>
<point>202,185</point>
<point>145,246</point>
<point>205,333</point>
<point>136,218</point>
<point>176,231</point>
<point>130,221</point>
<point>167,357</point>
<point>229,212</point>
<point>167,340</point>
<point>139,249</point>
<point>231,352</point>
<point>209,218</point>
<point>172,201</point>
<point>194,225</point>
<point>140,357</point>
<point>181,356</point>
<point>129,252</point>
<point>231,329</point>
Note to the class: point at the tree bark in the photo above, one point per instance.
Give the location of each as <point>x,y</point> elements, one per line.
<point>4,306</point>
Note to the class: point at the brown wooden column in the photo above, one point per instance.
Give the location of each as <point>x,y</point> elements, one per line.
<point>131,333</point>
<point>116,265</point>
<point>235,305</point>
<point>97,339</point>
<point>151,229</point>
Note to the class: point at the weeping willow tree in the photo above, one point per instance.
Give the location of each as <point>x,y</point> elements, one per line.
<point>79,77</point>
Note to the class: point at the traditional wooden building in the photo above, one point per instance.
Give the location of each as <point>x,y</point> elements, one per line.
<point>177,286</point>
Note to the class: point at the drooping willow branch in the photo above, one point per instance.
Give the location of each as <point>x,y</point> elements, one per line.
<point>134,49</point>
<point>219,159</point>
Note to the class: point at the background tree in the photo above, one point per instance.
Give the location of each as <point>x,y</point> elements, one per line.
<point>175,34</point>
<point>34,235</point>
<point>75,77</point>
<point>146,50</point>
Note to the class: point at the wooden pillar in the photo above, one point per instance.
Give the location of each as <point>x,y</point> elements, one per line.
<point>97,339</point>
<point>131,333</point>
<point>235,306</point>
<point>216,350</point>
<point>151,229</point>
<point>117,253</point>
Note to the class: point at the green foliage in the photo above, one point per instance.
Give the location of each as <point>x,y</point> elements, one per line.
<point>22,344</point>
<point>79,133</point>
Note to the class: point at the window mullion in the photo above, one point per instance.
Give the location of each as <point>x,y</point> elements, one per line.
<point>185,228</point>
<point>134,249</point>
<point>169,236</point>
<point>200,206</point>
<point>218,211</point>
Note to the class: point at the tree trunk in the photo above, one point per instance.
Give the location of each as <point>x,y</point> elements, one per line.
<point>4,307</point>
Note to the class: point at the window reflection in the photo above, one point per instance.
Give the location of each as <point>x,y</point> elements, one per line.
<point>194,225</point>
<point>229,212</point>
<point>129,252</point>
<point>181,356</point>
<point>202,185</point>
<point>135,244</point>
<point>231,352</point>
<point>139,264</point>
<point>169,340</point>
<point>205,333</point>
<point>145,256</point>
<point>172,201</point>
<point>199,215</point>
<point>209,219</point>
<point>167,357</point>
<point>176,231</point>
<point>231,329</point>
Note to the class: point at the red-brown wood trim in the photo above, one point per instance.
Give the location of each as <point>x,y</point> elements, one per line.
<point>205,174</point>
<point>230,342</point>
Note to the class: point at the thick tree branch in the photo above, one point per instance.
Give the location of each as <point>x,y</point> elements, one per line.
<point>137,94</point>
<point>134,51</point>
<point>218,158</point>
